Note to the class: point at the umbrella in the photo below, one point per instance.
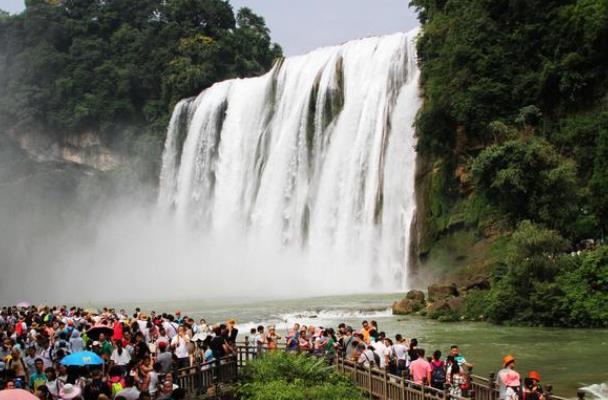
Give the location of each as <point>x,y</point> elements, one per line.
<point>16,394</point>
<point>23,304</point>
<point>82,358</point>
<point>95,331</point>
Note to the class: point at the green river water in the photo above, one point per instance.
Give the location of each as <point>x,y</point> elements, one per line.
<point>567,358</point>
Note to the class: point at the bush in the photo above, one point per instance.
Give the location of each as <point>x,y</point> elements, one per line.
<point>527,179</point>
<point>290,376</point>
<point>586,289</point>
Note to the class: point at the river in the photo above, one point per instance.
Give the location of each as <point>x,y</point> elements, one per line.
<point>567,358</point>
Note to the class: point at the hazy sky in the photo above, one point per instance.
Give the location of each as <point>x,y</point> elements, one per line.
<point>303,25</point>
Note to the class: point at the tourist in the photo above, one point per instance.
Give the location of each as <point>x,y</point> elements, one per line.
<point>130,392</point>
<point>53,385</point>
<point>365,332</point>
<point>38,378</point>
<point>260,339</point>
<point>401,353</point>
<point>508,380</point>
<point>179,344</point>
<point>438,371</point>
<point>380,349</point>
<point>420,369</point>
<point>76,342</point>
<point>232,331</point>
<point>366,356</point>
<point>164,358</point>
<point>531,388</point>
<point>15,363</point>
<point>347,342</point>
<point>70,392</point>
<point>272,338</point>
<point>457,380</point>
<point>120,356</point>
<point>412,351</point>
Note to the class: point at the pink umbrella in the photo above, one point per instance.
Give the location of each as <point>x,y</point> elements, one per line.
<point>16,394</point>
<point>23,304</point>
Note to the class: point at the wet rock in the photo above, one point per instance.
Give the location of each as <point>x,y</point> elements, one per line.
<point>441,292</point>
<point>416,295</point>
<point>413,302</point>
<point>451,305</point>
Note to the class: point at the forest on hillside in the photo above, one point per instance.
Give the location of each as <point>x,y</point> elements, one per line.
<point>513,136</point>
<point>117,67</point>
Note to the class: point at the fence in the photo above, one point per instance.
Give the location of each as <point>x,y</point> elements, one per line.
<point>374,382</point>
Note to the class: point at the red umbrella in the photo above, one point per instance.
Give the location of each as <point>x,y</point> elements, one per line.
<point>16,394</point>
<point>96,330</point>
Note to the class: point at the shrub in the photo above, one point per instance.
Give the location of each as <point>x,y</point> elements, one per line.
<point>283,375</point>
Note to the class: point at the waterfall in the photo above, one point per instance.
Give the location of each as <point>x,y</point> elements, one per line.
<point>314,160</point>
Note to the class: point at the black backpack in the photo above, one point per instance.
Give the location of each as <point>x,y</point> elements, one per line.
<point>438,374</point>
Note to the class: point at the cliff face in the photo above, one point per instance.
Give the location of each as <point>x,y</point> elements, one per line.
<point>84,149</point>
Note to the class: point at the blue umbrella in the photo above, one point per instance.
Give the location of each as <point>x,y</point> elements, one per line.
<point>82,358</point>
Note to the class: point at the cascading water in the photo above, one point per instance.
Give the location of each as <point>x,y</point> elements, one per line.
<point>313,161</point>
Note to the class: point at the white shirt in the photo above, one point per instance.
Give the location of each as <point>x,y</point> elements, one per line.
<point>120,359</point>
<point>130,393</point>
<point>400,351</point>
<point>382,351</point>
<point>181,346</point>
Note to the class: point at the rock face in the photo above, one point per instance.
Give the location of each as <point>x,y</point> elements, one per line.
<point>442,292</point>
<point>83,149</point>
<point>413,302</point>
<point>449,305</point>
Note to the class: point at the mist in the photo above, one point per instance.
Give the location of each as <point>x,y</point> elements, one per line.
<point>74,235</point>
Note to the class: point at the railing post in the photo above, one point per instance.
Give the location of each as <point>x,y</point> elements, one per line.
<point>369,383</point>
<point>446,391</point>
<point>492,385</point>
<point>548,392</point>
<point>385,382</point>
<point>403,395</point>
<point>580,395</point>
<point>246,349</point>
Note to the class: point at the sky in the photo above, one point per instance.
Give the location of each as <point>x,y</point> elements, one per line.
<point>300,26</point>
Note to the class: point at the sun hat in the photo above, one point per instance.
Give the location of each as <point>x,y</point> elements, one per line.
<point>69,391</point>
<point>534,375</point>
<point>508,360</point>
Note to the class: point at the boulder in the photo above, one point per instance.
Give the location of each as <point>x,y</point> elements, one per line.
<point>416,295</point>
<point>456,304</point>
<point>438,307</point>
<point>413,302</point>
<point>452,304</point>
<point>441,292</point>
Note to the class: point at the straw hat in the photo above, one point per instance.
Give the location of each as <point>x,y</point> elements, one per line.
<point>69,391</point>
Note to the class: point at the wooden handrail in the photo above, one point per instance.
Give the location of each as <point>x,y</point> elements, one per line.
<point>377,383</point>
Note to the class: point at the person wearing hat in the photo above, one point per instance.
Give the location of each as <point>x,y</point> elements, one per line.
<point>69,392</point>
<point>507,378</point>
<point>532,389</point>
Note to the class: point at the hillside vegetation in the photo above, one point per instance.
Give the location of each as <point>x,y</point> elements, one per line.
<point>117,67</point>
<point>513,139</point>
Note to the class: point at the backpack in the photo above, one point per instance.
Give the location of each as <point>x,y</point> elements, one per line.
<point>438,374</point>
<point>376,358</point>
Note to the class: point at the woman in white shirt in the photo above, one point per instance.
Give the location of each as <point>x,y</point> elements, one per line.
<point>120,356</point>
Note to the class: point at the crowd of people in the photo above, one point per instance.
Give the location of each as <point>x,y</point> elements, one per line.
<point>140,354</point>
